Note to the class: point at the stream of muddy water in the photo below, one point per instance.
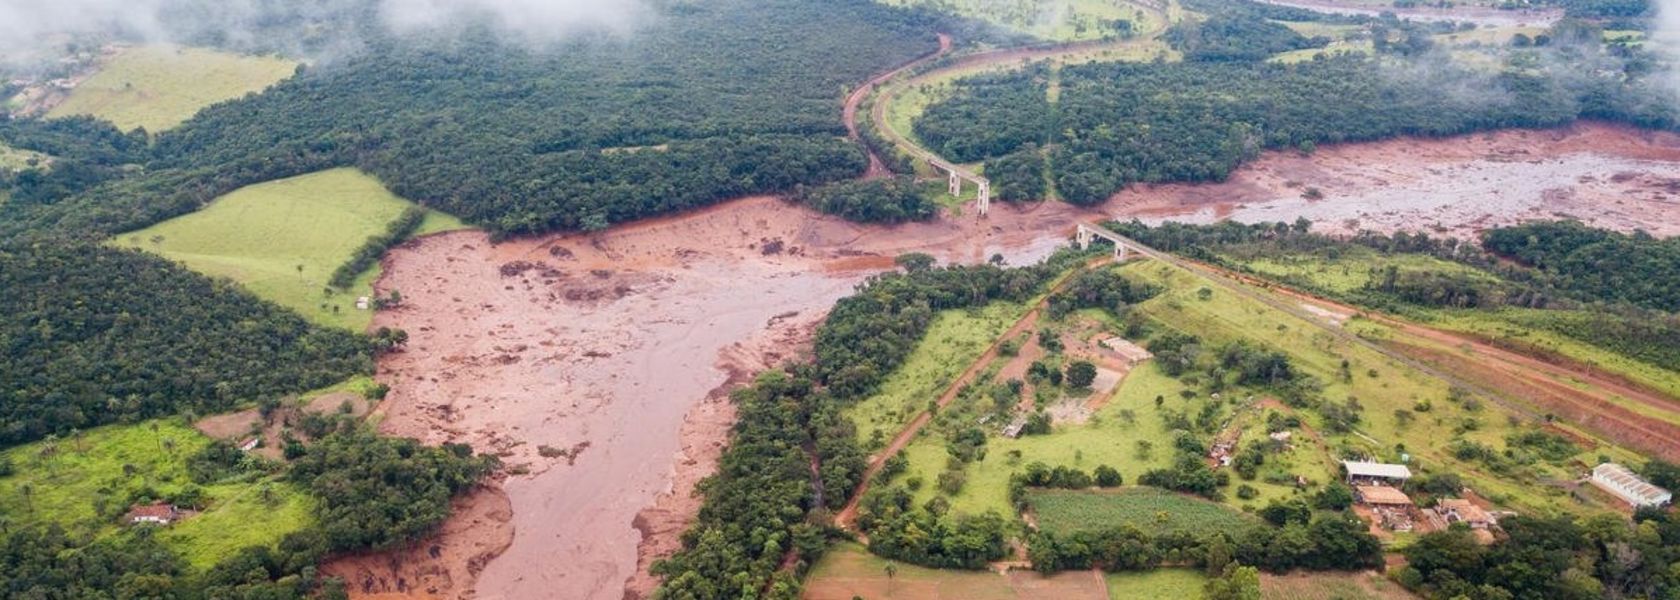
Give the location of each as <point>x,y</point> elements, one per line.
<point>578,358</point>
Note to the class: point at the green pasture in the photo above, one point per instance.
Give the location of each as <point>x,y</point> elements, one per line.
<point>1181,584</point>
<point>159,87</point>
<point>1149,509</point>
<point>85,482</point>
<point>283,239</point>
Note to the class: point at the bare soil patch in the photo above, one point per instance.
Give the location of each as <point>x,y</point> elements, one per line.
<point>1605,175</point>
<point>443,567</point>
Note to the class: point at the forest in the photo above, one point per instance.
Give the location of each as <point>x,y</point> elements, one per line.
<point>1559,557</point>
<point>1120,123</point>
<point>96,335</point>
<point>1596,263</point>
<point>719,100</point>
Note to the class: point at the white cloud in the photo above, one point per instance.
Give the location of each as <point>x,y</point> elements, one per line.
<point>535,20</point>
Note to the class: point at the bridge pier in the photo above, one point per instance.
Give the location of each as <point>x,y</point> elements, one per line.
<point>956,184</point>
<point>985,197</point>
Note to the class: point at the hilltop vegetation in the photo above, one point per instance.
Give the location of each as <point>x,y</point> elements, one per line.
<point>285,241</point>
<point>95,335</point>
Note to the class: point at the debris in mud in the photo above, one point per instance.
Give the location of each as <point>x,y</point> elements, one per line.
<point>769,247</point>
<point>601,273</point>
<point>520,267</point>
<point>561,252</point>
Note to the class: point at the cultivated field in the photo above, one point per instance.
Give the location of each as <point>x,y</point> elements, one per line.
<point>1149,509</point>
<point>1178,584</point>
<point>283,239</point>
<point>849,571</point>
<point>159,87</point>
<point>85,482</point>
<point>1331,586</point>
<point>952,343</point>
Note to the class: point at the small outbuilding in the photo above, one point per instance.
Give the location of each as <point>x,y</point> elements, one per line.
<point>250,444</point>
<point>1629,486</point>
<point>152,514</point>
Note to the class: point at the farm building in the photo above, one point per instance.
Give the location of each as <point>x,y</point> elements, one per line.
<point>1459,510</point>
<point>1388,507</point>
<point>152,514</point>
<point>1624,484</point>
<point>1378,495</point>
<point>250,444</point>
<point>1375,473</point>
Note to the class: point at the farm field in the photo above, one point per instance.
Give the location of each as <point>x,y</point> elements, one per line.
<point>159,87</point>
<point>1181,584</point>
<point>1331,586</point>
<point>1149,509</point>
<point>79,482</point>
<point>849,571</point>
<point>283,239</point>
<point>1054,20</point>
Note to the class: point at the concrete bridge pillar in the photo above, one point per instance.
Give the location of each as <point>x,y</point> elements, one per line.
<point>956,183</point>
<point>1083,238</point>
<point>985,197</point>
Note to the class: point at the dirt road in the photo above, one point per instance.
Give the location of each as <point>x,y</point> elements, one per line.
<point>848,113</point>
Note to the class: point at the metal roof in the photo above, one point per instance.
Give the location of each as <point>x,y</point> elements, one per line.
<point>1631,483</point>
<point>1371,469</point>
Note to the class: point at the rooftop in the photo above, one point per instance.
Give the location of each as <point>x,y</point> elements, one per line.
<point>1381,470</point>
<point>1631,483</point>
<point>1377,494</point>
<point>1465,510</point>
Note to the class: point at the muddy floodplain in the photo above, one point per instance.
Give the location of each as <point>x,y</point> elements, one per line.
<point>598,366</point>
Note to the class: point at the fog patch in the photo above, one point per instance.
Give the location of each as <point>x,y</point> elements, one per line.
<point>1665,39</point>
<point>531,21</point>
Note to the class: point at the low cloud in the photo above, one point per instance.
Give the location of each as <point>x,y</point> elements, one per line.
<point>532,20</point>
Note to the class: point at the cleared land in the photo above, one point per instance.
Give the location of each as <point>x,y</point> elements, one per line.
<point>159,87</point>
<point>85,482</point>
<point>1056,20</point>
<point>849,571</point>
<point>1149,509</point>
<point>283,239</point>
<point>1331,586</point>
<point>16,159</point>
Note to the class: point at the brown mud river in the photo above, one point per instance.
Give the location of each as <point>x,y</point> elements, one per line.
<point>597,365</point>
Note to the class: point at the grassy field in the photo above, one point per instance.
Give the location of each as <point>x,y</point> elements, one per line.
<point>261,235</point>
<point>12,159</point>
<point>85,482</point>
<point>955,340</point>
<point>1331,586</point>
<point>159,87</point>
<point>1056,20</point>
<point>849,571</point>
<point>1180,584</point>
<point>1149,509</point>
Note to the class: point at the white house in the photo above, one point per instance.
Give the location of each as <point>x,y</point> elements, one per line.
<point>1624,484</point>
<point>1370,472</point>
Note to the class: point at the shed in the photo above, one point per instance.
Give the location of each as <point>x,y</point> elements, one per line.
<point>1630,487</point>
<point>152,514</point>
<point>1381,495</point>
<point>1375,472</point>
<point>250,444</point>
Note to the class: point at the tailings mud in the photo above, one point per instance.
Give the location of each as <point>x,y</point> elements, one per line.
<point>1604,175</point>
<point>598,366</point>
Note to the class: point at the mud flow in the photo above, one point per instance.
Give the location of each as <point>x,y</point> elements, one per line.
<point>598,366</point>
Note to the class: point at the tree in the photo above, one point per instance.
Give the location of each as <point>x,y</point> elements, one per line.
<point>1236,583</point>
<point>1107,476</point>
<point>1081,373</point>
<point>915,262</point>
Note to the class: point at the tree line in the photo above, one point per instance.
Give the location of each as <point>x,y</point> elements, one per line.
<point>96,335</point>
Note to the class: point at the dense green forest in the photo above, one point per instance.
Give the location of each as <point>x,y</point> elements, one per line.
<point>80,153</point>
<point>96,335</point>
<point>990,115</point>
<point>374,492</point>
<point>1242,31</point>
<point>886,200</point>
<point>1120,123</point>
<point>793,454</point>
<point>1561,557</point>
<point>714,100</point>
<point>1596,263</point>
